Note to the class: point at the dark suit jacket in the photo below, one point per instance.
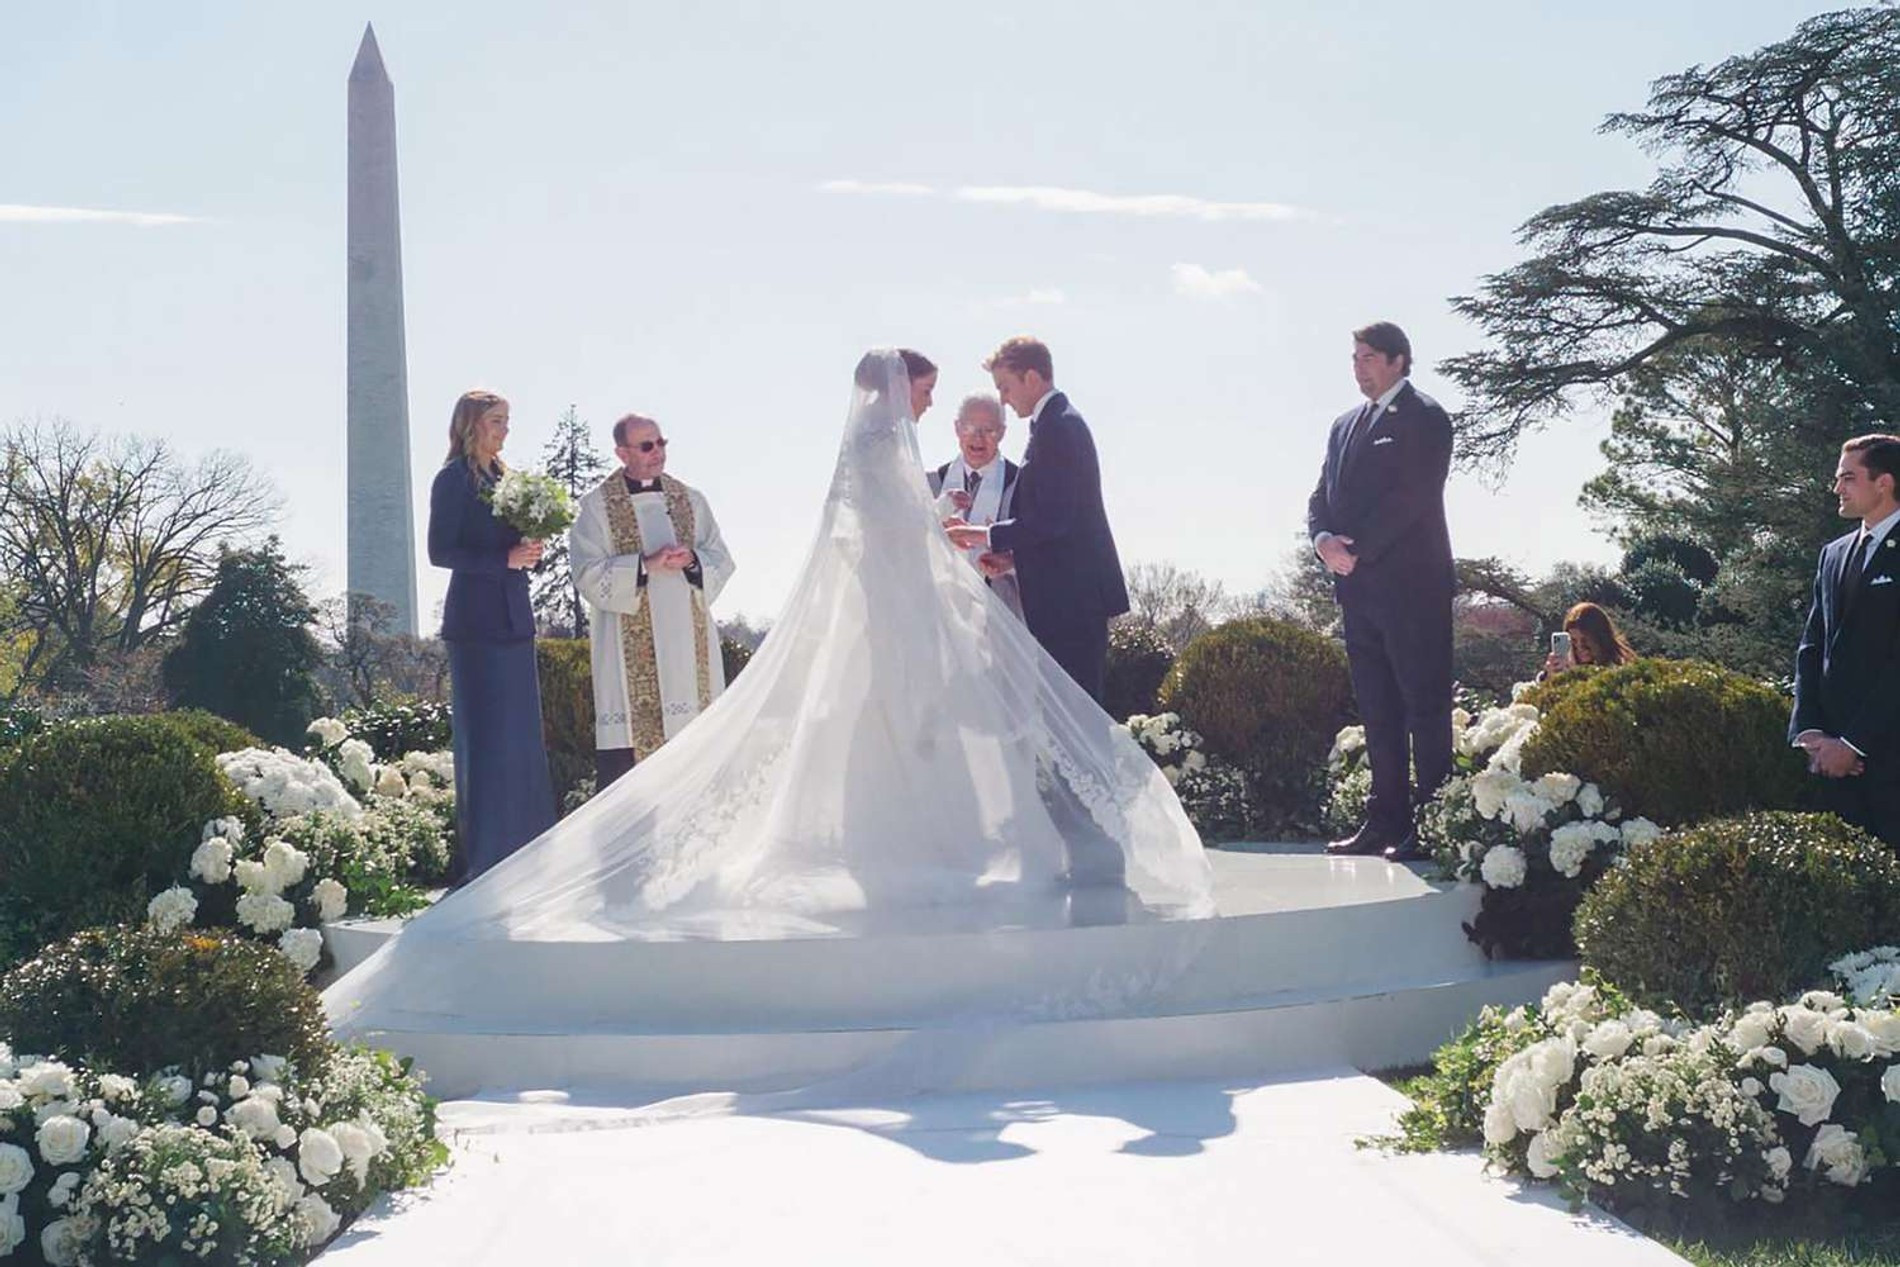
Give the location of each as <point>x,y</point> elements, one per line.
<point>488,600</point>
<point>1390,500</point>
<point>1065,553</point>
<point>1847,671</point>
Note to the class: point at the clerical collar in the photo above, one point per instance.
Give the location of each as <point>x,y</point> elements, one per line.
<point>640,486</point>
<point>996,464</point>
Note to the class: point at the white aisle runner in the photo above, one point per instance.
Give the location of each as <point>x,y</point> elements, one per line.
<point>1179,1172</point>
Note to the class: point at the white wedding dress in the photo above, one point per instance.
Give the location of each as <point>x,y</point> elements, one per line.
<point>901,757</point>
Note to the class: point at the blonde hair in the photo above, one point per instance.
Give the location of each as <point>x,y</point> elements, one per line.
<point>469,409</point>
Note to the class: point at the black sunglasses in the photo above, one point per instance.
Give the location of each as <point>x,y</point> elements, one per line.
<point>647,446</point>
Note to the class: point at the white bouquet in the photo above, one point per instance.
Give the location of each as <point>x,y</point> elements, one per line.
<point>536,506</point>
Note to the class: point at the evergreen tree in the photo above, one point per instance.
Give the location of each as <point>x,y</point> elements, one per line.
<point>247,652</point>
<point>571,458</point>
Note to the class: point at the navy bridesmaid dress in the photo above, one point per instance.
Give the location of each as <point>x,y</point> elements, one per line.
<point>503,794</point>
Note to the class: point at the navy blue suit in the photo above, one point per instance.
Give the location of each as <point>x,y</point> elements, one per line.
<point>504,796</point>
<point>1071,576</point>
<point>1847,679</point>
<point>1387,492</point>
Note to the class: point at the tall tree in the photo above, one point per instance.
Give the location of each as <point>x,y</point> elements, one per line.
<point>247,651</point>
<point>107,544</point>
<point>1771,234</point>
<point>571,458</point>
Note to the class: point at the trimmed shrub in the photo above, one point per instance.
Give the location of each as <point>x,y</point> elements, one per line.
<point>17,722</point>
<point>1267,695</point>
<point>567,710</point>
<point>395,728</point>
<point>136,1000</point>
<point>1139,657</point>
<point>95,818</point>
<point>1673,740</point>
<point>1739,909</point>
<point>211,732</point>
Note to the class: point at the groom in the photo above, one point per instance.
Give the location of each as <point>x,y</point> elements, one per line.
<point>1058,537</point>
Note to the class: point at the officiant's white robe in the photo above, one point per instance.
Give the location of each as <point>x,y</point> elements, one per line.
<point>655,644</point>
<point>994,499</point>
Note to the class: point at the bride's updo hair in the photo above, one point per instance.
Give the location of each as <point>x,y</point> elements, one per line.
<point>870,371</point>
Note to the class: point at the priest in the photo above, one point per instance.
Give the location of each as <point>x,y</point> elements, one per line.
<point>649,560</point>
<point>978,486</point>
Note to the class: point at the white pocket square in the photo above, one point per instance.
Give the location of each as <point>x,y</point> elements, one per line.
<point>1880,580</point>
<point>1383,440</point>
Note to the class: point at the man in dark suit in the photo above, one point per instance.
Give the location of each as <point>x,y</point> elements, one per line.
<point>1847,670</point>
<point>1377,520</point>
<point>1058,540</point>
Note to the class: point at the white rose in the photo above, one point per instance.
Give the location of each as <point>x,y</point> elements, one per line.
<point>1806,1091</point>
<point>254,1116</point>
<point>12,1226</point>
<point>318,1156</point>
<point>1839,1154</point>
<point>1569,846</point>
<point>172,910</point>
<point>1609,1040</point>
<point>207,1116</point>
<point>61,1193</point>
<point>16,1169</point>
<point>1851,1041</point>
<point>1890,1084</point>
<point>1499,1126</point>
<point>61,1241</point>
<point>1504,867</point>
<point>176,1088</point>
<point>1884,1027</point>
<point>1542,1156</point>
<point>358,1148</point>
<point>115,1086</point>
<point>316,1220</point>
<point>45,1080</point>
<point>211,860</point>
<point>10,1097</point>
<point>62,1140</point>
<point>1558,788</point>
<point>1751,1030</point>
<point>302,946</point>
<point>116,1132</point>
<point>1780,1162</point>
<point>1805,1029</point>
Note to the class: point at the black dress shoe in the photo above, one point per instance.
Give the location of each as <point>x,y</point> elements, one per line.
<point>1407,850</point>
<point>1368,841</point>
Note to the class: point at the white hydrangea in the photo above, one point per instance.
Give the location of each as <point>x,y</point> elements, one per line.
<point>318,1156</point>
<point>211,860</point>
<point>265,912</point>
<point>355,763</point>
<point>389,782</point>
<point>1639,831</point>
<point>327,731</point>
<point>284,865</point>
<point>1526,811</point>
<point>316,1221</point>
<point>436,767</point>
<point>172,910</point>
<point>252,876</point>
<point>284,785</point>
<point>1491,787</point>
<point>1590,800</point>
<point>302,946</point>
<point>1504,867</point>
<point>1558,788</point>
<point>331,899</point>
<point>231,829</point>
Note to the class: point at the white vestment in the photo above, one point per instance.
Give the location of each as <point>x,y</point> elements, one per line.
<point>655,644</point>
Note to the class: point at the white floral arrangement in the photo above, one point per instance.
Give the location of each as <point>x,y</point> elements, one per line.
<point>428,777</point>
<point>276,899</point>
<point>534,505</point>
<point>1175,748</point>
<point>255,1164</point>
<point>1870,978</point>
<point>1618,1103</point>
<point>284,785</point>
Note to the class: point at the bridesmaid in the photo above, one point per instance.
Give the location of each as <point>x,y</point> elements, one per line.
<point>503,794</point>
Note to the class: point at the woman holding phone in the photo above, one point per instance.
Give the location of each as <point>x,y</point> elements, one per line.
<point>1589,636</point>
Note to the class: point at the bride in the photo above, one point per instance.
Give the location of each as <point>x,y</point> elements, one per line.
<point>901,756</point>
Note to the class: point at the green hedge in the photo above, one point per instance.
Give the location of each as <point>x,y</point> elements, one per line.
<point>567,710</point>
<point>1267,695</point>
<point>1139,658</point>
<point>394,728</point>
<point>1675,741</point>
<point>136,1000</point>
<point>1739,909</point>
<point>96,817</point>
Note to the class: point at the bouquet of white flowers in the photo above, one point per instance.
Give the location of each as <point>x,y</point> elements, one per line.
<point>536,506</point>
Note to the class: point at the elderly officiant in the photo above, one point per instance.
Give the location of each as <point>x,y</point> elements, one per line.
<point>649,560</point>
<point>979,484</point>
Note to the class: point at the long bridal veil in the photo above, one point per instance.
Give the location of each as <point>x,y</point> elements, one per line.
<point>900,756</point>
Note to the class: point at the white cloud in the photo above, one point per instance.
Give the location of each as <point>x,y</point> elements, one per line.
<point>897,188</point>
<point>1088,202</point>
<point>1081,201</point>
<point>14,213</point>
<point>1198,283</point>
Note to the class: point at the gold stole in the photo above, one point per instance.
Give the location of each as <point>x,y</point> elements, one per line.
<point>645,709</point>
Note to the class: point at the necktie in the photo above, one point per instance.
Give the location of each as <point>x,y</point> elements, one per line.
<point>970,480</point>
<point>1355,438</point>
<point>1856,568</point>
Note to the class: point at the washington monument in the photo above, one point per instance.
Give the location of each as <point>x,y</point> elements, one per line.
<point>382,537</point>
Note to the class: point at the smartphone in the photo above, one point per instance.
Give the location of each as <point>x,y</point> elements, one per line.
<point>1560,644</point>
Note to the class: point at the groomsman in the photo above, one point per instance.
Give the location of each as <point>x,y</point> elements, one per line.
<point>1377,520</point>
<point>649,559</point>
<point>1058,539</point>
<point>1847,670</point>
<point>979,484</point>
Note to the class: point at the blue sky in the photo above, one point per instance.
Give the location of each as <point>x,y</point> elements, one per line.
<point>681,209</point>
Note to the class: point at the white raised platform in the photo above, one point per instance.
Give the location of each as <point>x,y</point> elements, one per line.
<point>1314,963</point>
<point>1205,1173</point>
